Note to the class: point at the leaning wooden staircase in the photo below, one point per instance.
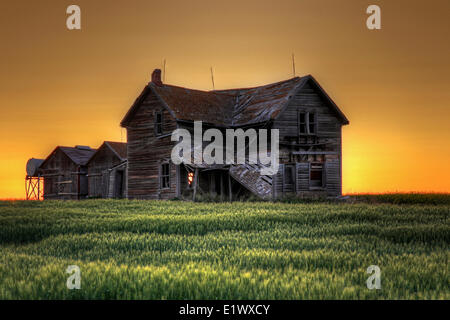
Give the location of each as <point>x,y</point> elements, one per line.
<point>249,175</point>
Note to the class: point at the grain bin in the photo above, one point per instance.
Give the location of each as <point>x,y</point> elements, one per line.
<point>33,166</point>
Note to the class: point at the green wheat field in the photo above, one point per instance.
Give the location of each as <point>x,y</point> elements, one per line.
<point>241,250</point>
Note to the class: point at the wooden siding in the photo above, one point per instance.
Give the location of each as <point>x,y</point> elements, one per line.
<point>146,152</point>
<point>308,100</point>
<point>302,169</point>
<point>62,178</point>
<point>277,182</point>
<point>100,177</point>
<point>333,177</point>
<point>117,185</point>
<point>324,146</point>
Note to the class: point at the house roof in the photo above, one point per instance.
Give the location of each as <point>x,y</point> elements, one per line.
<point>119,148</point>
<point>260,104</point>
<point>79,155</point>
<point>234,107</point>
<point>189,104</point>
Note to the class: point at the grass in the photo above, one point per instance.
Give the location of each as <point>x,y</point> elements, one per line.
<point>404,198</point>
<point>257,250</point>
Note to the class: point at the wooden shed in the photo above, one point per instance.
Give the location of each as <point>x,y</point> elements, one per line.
<point>310,140</point>
<point>107,171</point>
<point>64,172</point>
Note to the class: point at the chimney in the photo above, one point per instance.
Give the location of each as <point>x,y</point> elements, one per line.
<point>82,147</point>
<point>156,77</point>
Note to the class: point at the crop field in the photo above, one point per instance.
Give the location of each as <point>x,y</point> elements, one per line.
<point>256,250</point>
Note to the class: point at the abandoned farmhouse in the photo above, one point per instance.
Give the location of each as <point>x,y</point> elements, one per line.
<point>310,147</point>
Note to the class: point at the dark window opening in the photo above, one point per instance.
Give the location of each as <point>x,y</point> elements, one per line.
<point>158,123</point>
<point>165,176</point>
<point>312,123</point>
<point>289,178</point>
<point>307,123</point>
<point>118,188</point>
<point>316,175</point>
<point>289,175</point>
<point>302,123</point>
<point>218,183</point>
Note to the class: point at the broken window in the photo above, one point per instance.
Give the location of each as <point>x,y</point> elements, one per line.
<point>302,123</point>
<point>158,123</point>
<point>307,123</point>
<point>316,175</point>
<point>312,123</point>
<point>165,176</point>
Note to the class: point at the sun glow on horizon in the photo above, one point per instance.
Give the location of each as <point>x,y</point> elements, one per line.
<point>60,87</point>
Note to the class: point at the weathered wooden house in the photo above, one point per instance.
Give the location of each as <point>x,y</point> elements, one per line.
<point>310,140</point>
<point>64,172</point>
<point>107,171</point>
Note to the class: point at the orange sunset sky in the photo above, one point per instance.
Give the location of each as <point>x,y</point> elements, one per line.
<point>61,87</point>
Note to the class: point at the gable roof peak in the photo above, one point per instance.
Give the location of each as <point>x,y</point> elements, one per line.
<point>76,155</point>
<point>119,148</point>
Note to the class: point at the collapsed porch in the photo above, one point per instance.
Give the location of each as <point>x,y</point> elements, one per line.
<point>243,181</point>
<point>223,182</point>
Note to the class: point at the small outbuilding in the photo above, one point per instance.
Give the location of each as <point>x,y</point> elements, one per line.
<point>107,171</point>
<point>65,173</point>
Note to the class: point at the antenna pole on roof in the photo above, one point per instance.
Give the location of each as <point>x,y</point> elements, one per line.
<point>164,71</point>
<point>212,79</point>
<point>293,65</point>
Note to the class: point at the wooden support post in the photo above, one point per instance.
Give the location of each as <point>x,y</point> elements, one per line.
<point>178,179</point>
<point>39,187</point>
<point>26,186</point>
<point>195,184</point>
<point>222,189</point>
<point>211,184</point>
<point>229,187</point>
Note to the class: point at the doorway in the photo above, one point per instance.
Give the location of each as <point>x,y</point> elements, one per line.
<point>118,185</point>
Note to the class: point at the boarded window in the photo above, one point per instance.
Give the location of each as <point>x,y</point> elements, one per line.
<point>302,176</point>
<point>158,123</point>
<point>165,176</point>
<point>307,123</point>
<point>316,175</point>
